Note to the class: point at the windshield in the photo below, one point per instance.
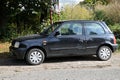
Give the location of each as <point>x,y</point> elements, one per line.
<point>50,29</point>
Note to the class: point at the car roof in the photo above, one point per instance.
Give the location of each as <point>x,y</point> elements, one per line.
<point>79,21</point>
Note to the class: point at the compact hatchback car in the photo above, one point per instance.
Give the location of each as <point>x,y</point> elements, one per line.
<point>66,38</point>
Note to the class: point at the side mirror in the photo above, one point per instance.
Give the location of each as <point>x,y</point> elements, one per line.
<point>57,33</point>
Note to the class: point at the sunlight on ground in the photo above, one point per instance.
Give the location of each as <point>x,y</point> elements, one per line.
<point>117,52</point>
<point>4,47</point>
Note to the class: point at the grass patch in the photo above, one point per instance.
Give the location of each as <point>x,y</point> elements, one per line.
<point>4,49</point>
<point>117,51</point>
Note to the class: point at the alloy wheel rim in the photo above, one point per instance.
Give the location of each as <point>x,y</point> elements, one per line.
<point>35,57</point>
<point>105,53</point>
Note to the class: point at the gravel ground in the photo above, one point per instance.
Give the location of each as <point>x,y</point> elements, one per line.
<point>70,68</point>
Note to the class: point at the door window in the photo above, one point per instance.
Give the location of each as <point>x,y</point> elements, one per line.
<point>71,29</point>
<point>93,29</point>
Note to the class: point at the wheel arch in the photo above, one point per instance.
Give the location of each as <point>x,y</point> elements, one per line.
<point>106,45</point>
<point>38,47</point>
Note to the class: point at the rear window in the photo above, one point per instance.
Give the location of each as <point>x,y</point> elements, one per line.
<point>93,29</point>
<point>108,29</point>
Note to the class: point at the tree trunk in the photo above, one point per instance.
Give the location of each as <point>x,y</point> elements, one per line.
<point>3,21</point>
<point>18,24</point>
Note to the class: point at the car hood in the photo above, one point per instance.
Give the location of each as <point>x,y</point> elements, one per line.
<point>29,37</point>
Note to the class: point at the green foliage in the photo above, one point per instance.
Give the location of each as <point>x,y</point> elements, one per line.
<point>110,12</point>
<point>118,42</point>
<point>99,15</point>
<point>11,30</point>
<point>75,12</point>
<point>22,17</point>
<point>45,24</point>
<point>56,17</point>
<point>116,29</point>
<point>95,2</point>
<point>91,4</point>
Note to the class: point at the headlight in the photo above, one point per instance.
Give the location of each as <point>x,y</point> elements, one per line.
<point>17,44</point>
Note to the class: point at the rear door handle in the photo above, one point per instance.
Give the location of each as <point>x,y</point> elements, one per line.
<point>80,40</point>
<point>91,39</point>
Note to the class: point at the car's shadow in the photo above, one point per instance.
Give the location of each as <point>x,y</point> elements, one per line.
<point>7,60</point>
<point>71,59</point>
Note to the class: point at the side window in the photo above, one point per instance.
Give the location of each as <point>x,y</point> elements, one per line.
<point>71,29</point>
<point>93,29</point>
<point>77,29</point>
<point>64,29</point>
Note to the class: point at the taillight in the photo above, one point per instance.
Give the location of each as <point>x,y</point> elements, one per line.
<point>114,40</point>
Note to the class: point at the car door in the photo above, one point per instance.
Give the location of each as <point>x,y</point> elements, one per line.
<point>95,36</point>
<point>69,42</point>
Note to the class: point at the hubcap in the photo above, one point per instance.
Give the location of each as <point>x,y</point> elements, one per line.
<point>105,53</point>
<point>35,57</point>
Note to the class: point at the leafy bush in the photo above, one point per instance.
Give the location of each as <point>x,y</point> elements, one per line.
<point>11,30</point>
<point>118,42</point>
<point>109,13</point>
<point>75,12</point>
<point>99,15</point>
<point>116,30</point>
<point>113,11</point>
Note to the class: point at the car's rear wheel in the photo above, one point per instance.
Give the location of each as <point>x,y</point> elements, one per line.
<point>104,53</point>
<point>35,56</point>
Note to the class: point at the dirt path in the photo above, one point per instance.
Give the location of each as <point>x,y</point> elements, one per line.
<point>60,63</point>
<point>10,67</point>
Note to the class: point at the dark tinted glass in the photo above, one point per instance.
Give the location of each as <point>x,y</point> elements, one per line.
<point>93,29</point>
<point>71,29</point>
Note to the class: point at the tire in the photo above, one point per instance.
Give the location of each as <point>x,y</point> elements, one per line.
<point>35,56</point>
<point>104,53</point>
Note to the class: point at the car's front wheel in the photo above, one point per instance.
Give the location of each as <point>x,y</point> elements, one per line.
<point>35,56</point>
<point>104,53</point>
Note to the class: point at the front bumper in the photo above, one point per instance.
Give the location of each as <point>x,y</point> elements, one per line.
<point>19,53</point>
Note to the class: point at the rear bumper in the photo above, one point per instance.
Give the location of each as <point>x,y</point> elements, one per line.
<point>19,53</point>
<point>115,47</point>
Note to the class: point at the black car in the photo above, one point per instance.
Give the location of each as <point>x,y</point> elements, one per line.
<point>66,38</point>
